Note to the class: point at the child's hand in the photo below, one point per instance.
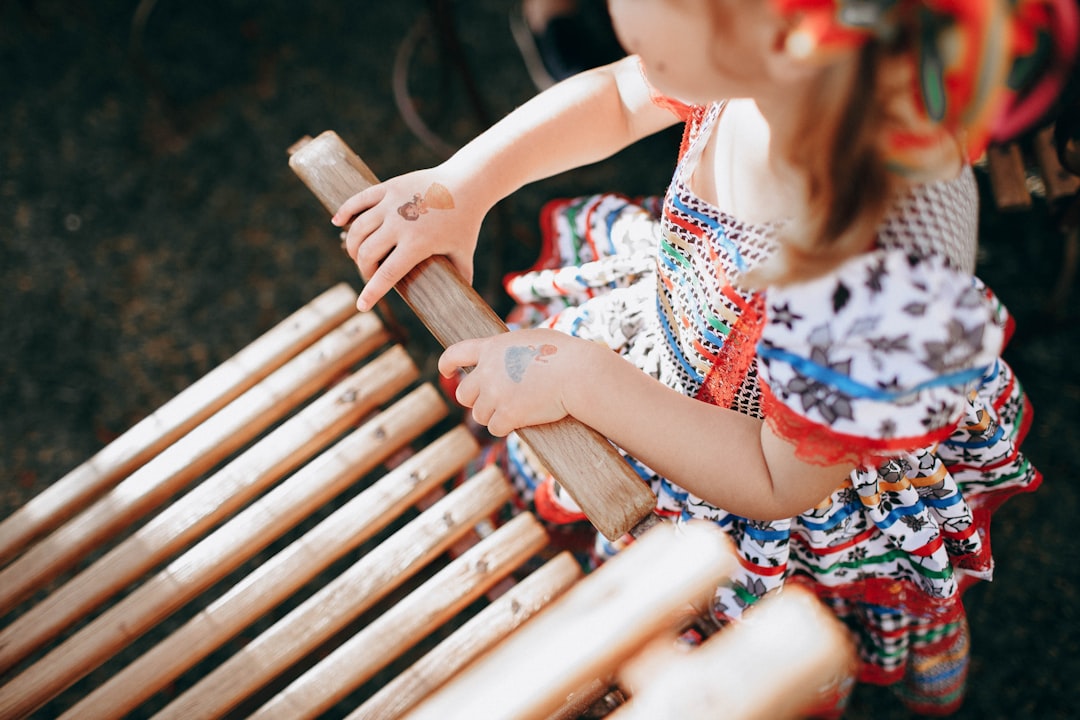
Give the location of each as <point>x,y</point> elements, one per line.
<point>519,378</point>
<point>402,221</point>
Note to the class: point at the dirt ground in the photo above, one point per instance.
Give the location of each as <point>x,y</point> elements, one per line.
<point>150,228</point>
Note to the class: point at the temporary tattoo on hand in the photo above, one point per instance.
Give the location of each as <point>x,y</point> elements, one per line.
<point>437,197</point>
<point>517,358</point>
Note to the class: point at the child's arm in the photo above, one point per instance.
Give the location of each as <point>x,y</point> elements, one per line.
<point>727,458</point>
<point>587,118</point>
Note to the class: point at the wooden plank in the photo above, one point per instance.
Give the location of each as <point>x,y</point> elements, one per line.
<point>592,629</point>
<point>73,492</point>
<point>594,474</point>
<point>1008,177</point>
<point>280,577</point>
<point>344,599</point>
<point>411,619</point>
<point>1060,183</point>
<point>774,663</point>
<point>191,456</point>
<point>186,519</point>
<point>478,635</point>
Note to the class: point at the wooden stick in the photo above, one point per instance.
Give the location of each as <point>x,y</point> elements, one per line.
<point>277,579</point>
<point>73,492</point>
<point>1060,183</point>
<point>609,492</point>
<point>479,634</point>
<point>773,664</point>
<point>192,455</point>
<point>590,630</point>
<point>578,702</point>
<point>185,520</point>
<point>421,612</point>
<point>1008,177</point>
<point>342,600</point>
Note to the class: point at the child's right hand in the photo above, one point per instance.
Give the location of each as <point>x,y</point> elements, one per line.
<point>400,222</point>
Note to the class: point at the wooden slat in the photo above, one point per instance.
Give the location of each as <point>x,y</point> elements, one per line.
<point>217,556</point>
<point>187,518</point>
<point>191,456</point>
<point>401,627</point>
<point>591,629</point>
<point>342,600</point>
<point>71,493</point>
<point>1008,177</point>
<point>609,492</point>
<point>478,635</point>
<point>279,577</point>
<point>773,664</point>
<point>1060,183</point>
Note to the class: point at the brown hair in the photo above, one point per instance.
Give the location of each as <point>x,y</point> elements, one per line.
<point>849,185</point>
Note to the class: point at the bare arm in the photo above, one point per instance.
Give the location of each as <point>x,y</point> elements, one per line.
<point>582,120</point>
<point>729,459</point>
<point>587,118</point>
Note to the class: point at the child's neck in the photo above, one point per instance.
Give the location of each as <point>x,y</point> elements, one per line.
<point>742,170</point>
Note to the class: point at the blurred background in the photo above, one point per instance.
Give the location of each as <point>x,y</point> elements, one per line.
<point>150,228</point>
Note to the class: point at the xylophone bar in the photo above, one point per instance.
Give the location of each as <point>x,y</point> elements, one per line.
<point>71,493</point>
<point>471,640</point>
<point>343,599</point>
<point>190,456</point>
<point>409,621</point>
<point>346,529</point>
<point>774,664</point>
<point>189,517</point>
<point>592,629</point>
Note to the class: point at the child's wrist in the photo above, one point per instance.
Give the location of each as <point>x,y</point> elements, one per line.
<point>582,374</point>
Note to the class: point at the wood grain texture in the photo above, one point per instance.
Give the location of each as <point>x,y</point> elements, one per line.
<point>345,598</point>
<point>285,573</point>
<point>479,634</point>
<point>189,457</point>
<point>583,461</point>
<point>591,629</point>
<point>71,493</point>
<point>194,514</point>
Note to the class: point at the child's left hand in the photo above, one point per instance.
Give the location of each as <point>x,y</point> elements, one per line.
<point>518,378</point>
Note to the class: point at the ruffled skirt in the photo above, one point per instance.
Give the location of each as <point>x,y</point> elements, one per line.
<point>890,551</point>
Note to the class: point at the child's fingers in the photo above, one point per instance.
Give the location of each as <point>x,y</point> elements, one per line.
<point>363,227</point>
<point>482,413</point>
<point>462,354</point>
<point>358,203</point>
<point>382,274</point>
<point>374,250</point>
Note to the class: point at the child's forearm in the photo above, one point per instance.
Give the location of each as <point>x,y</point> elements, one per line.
<point>729,459</point>
<point>582,120</point>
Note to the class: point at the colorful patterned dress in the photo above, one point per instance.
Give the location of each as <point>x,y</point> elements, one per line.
<point>891,361</point>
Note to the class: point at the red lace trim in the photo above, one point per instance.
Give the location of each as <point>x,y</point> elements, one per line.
<point>732,363</point>
<point>820,445</point>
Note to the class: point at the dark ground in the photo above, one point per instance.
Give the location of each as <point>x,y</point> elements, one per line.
<point>150,228</point>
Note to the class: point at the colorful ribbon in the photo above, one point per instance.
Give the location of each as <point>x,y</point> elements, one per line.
<point>986,70</point>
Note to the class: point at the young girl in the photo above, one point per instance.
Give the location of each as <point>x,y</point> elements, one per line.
<point>821,369</point>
